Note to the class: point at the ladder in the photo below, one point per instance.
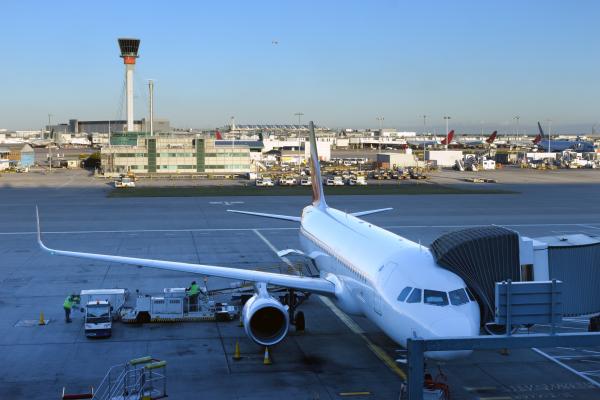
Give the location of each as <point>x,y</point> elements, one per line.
<point>142,378</point>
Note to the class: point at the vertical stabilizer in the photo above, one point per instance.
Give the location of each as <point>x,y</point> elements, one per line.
<point>315,170</point>
<point>492,137</point>
<point>542,134</point>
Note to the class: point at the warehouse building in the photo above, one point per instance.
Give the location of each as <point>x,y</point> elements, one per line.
<point>396,160</point>
<point>20,154</point>
<point>139,152</point>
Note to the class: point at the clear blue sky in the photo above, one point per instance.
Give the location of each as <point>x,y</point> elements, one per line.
<point>341,63</point>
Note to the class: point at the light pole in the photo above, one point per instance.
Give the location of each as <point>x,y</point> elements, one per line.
<point>380,119</point>
<point>49,123</point>
<point>446,118</point>
<point>299,115</point>
<point>517,117</point>
<point>549,134</point>
<point>424,132</point>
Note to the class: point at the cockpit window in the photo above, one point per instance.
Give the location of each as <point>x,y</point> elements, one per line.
<point>436,298</point>
<point>458,297</point>
<point>404,293</point>
<point>415,296</point>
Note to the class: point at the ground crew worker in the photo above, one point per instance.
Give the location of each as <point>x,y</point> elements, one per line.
<point>192,295</point>
<point>67,305</point>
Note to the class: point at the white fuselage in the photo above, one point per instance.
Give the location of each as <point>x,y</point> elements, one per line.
<point>371,266</point>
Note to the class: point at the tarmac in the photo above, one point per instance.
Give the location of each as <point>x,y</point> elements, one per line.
<point>337,356</point>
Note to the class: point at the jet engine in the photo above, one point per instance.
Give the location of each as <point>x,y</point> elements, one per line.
<point>266,320</point>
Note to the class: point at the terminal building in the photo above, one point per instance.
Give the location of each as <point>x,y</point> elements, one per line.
<point>106,126</point>
<point>170,153</point>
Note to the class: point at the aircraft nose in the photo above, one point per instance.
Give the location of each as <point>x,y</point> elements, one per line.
<point>452,327</point>
<point>455,326</point>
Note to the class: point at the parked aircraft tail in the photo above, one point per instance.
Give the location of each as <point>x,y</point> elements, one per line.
<point>219,136</point>
<point>540,135</point>
<point>492,137</point>
<point>448,139</point>
<point>315,170</point>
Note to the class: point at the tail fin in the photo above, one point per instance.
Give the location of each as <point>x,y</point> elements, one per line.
<point>448,138</point>
<point>315,170</point>
<point>542,134</point>
<point>492,137</point>
<point>218,135</point>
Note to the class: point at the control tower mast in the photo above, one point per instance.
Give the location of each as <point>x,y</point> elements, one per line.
<point>129,52</point>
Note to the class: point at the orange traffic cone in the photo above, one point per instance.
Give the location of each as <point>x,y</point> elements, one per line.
<point>236,354</point>
<point>267,359</point>
<point>42,320</point>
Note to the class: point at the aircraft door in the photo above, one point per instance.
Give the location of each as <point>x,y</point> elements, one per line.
<point>385,271</point>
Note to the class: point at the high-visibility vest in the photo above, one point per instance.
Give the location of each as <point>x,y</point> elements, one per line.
<point>194,290</point>
<point>68,303</point>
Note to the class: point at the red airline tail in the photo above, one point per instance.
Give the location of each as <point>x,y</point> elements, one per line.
<point>219,137</point>
<point>492,137</point>
<point>449,137</point>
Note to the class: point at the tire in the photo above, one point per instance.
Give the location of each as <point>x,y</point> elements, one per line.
<point>300,322</point>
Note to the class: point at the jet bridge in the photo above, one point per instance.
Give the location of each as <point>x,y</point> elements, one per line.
<point>481,256</point>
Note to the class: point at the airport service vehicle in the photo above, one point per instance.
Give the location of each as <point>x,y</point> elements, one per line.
<point>364,269</point>
<point>264,182</point>
<point>173,305</point>
<point>100,307</point>
<point>358,181</point>
<point>335,181</point>
<point>287,181</point>
<point>124,182</point>
<point>305,181</point>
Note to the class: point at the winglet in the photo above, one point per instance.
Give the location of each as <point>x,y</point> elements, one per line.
<point>315,171</point>
<point>39,233</point>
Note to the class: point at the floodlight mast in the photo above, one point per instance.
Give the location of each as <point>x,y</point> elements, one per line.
<point>129,52</point>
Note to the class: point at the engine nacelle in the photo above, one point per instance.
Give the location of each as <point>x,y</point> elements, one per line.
<point>266,320</point>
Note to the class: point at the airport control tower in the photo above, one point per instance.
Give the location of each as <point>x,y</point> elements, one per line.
<point>129,52</point>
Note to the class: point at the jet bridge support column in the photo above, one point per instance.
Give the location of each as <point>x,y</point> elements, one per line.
<point>416,368</point>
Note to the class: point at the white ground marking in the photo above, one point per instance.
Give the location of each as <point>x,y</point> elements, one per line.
<point>565,366</point>
<point>274,229</point>
<point>225,203</point>
<point>349,322</point>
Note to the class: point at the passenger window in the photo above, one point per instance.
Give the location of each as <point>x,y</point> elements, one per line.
<point>415,296</point>
<point>435,297</point>
<point>404,293</point>
<point>458,297</point>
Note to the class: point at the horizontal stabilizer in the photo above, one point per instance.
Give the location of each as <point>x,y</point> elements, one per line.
<point>275,216</point>
<point>361,213</point>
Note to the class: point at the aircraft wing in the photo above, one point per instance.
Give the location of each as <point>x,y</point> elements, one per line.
<point>275,216</point>
<point>314,285</point>
<point>361,213</point>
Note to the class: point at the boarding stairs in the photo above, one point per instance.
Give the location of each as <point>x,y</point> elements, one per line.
<point>142,378</point>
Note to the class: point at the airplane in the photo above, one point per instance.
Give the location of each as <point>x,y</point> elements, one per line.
<point>429,143</point>
<point>218,135</point>
<point>367,270</point>
<point>545,143</point>
<point>474,143</point>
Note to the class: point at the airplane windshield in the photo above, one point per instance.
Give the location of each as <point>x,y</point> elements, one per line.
<point>435,298</point>
<point>458,297</point>
<point>404,293</point>
<point>415,296</point>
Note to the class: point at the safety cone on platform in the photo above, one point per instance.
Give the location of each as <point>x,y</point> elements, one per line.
<point>236,354</point>
<point>267,359</point>
<point>42,320</point>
